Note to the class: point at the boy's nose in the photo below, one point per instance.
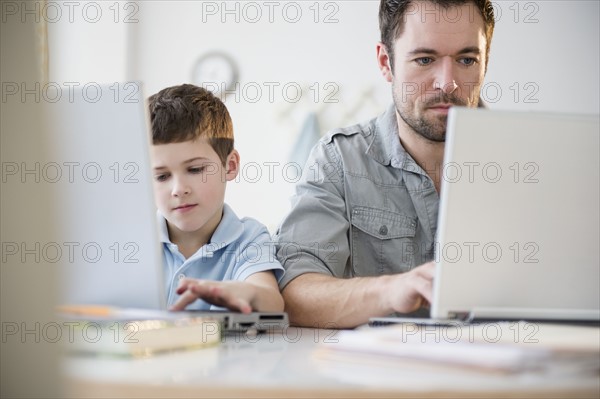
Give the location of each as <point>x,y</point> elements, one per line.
<point>180,188</point>
<point>179,193</point>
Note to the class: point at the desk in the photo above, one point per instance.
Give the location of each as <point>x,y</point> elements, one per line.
<point>285,364</point>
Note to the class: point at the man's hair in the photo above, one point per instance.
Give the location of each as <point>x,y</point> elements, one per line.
<point>188,112</point>
<point>392,18</point>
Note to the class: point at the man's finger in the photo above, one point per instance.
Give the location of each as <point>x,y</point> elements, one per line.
<point>427,270</point>
<point>424,287</point>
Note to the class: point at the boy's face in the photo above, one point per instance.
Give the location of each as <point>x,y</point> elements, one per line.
<point>189,184</point>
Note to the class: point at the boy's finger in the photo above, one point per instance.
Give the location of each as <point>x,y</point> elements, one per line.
<point>243,306</point>
<point>187,284</point>
<point>183,301</point>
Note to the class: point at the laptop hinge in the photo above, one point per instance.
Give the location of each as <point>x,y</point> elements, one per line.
<point>534,314</point>
<point>464,316</point>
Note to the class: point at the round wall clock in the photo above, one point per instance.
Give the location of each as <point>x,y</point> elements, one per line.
<point>216,71</point>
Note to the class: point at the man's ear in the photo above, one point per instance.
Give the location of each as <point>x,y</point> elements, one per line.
<point>384,62</point>
<point>232,165</point>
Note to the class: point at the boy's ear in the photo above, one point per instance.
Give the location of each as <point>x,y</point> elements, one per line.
<point>232,165</point>
<point>383,61</point>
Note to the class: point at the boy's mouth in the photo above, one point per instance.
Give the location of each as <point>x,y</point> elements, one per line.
<point>184,207</point>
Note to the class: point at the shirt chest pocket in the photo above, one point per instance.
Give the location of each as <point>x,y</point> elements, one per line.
<point>382,241</point>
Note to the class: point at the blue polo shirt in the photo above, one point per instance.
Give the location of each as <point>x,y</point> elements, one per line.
<point>237,249</point>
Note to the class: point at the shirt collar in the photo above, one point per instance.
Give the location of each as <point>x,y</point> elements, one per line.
<point>386,147</point>
<point>229,229</point>
<point>163,231</point>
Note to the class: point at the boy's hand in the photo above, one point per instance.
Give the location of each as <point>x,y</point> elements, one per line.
<point>233,295</point>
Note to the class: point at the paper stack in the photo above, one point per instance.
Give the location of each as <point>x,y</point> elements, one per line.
<point>502,346</point>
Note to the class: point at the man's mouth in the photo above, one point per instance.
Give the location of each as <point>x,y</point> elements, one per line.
<point>440,108</point>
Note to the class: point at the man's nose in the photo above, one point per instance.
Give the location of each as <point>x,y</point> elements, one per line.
<point>445,78</point>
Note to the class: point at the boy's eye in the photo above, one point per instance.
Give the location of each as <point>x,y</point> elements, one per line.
<point>424,61</point>
<point>162,177</point>
<point>198,169</point>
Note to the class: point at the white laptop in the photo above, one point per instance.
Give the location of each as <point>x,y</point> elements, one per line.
<point>100,171</point>
<point>518,226</point>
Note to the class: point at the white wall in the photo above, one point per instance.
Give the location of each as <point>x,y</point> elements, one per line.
<point>545,57</point>
<point>86,44</point>
<point>550,49</point>
<point>173,35</point>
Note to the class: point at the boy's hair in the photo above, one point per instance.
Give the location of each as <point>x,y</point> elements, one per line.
<point>187,112</point>
<point>392,17</point>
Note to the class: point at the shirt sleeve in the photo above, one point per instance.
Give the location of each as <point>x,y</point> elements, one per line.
<point>256,253</point>
<point>313,238</point>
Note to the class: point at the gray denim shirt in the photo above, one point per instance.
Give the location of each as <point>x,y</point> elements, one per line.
<point>363,207</point>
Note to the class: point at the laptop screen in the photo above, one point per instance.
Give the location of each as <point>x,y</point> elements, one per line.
<point>107,240</point>
<point>518,226</point>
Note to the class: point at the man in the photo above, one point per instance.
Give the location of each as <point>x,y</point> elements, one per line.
<point>359,239</point>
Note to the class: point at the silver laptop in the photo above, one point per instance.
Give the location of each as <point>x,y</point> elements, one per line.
<point>518,227</point>
<point>107,240</point>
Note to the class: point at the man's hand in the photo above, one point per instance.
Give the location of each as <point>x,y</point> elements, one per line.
<point>316,299</point>
<point>233,295</point>
<point>411,290</point>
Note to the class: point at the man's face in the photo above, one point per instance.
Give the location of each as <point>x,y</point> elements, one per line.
<point>189,185</point>
<point>439,61</point>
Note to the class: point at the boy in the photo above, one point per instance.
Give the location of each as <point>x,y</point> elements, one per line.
<point>210,256</point>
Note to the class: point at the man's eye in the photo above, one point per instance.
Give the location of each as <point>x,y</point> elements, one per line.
<point>468,61</point>
<point>424,60</point>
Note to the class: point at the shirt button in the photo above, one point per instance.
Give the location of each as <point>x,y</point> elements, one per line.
<point>383,230</point>
<point>181,276</point>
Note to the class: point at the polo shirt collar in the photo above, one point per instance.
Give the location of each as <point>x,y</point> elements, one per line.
<point>229,229</point>
<point>163,232</point>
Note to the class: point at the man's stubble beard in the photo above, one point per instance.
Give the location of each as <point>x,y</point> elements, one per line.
<point>432,130</point>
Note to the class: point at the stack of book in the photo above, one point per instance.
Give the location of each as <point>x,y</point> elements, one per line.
<point>134,332</point>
